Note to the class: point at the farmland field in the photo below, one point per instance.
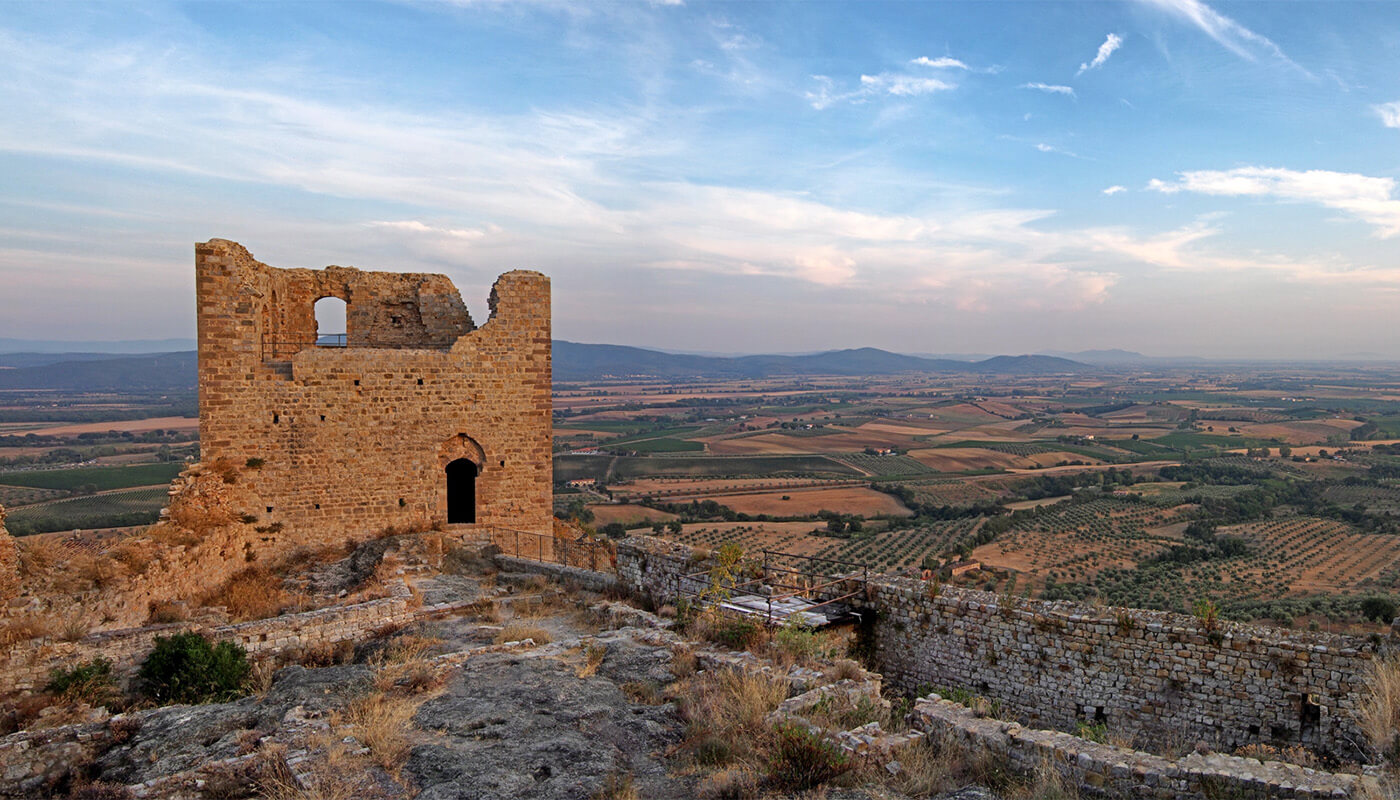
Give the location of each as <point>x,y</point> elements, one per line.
<point>807,502</point>
<point>100,478</point>
<point>133,507</point>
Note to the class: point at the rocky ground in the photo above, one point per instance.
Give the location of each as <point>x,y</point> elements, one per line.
<point>545,693</point>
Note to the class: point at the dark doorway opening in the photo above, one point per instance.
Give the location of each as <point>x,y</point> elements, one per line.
<point>461,491</point>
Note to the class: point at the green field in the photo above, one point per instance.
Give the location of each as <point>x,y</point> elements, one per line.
<point>135,507</point>
<point>663,445</point>
<point>102,478</point>
<point>725,466</point>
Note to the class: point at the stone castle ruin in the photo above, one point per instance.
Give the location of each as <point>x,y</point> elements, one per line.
<point>413,416</point>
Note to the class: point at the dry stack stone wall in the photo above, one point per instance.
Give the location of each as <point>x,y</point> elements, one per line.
<point>1102,770</point>
<point>1150,674</point>
<point>356,438</point>
<point>1154,675</point>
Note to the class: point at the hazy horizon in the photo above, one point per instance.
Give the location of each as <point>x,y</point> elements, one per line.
<point>1172,177</point>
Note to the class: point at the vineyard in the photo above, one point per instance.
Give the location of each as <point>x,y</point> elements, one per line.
<point>903,549</point>
<point>134,507</point>
<point>1074,541</point>
<point>884,467</point>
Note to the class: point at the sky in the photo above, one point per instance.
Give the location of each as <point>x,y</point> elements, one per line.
<point>1174,177</point>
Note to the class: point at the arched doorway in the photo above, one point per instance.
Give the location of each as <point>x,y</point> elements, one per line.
<point>461,491</point>
<point>331,322</point>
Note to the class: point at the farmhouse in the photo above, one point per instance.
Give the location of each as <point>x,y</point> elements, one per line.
<point>413,415</point>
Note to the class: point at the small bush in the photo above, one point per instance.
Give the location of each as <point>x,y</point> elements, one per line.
<point>187,668</point>
<point>802,759</point>
<point>736,634</point>
<point>728,784</point>
<point>89,682</point>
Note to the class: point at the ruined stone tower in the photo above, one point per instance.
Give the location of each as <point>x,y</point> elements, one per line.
<point>414,415</point>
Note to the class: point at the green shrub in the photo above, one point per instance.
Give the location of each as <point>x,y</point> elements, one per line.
<point>187,668</point>
<point>803,759</point>
<point>737,634</point>
<point>89,682</point>
<point>1378,609</point>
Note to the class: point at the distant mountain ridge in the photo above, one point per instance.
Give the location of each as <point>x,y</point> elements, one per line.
<point>175,372</point>
<point>579,362</point>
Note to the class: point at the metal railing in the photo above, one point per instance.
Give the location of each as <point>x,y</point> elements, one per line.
<point>783,577</point>
<point>598,555</point>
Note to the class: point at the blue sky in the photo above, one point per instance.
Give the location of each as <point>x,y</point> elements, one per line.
<point>1169,176</point>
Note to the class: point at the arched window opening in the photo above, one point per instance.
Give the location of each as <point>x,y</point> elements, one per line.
<point>461,491</point>
<point>330,322</point>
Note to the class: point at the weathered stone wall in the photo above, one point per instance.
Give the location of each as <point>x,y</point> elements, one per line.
<point>26,665</point>
<point>1101,770</point>
<point>656,569</point>
<point>354,439</point>
<point>592,580</point>
<point>1144,673</point>
<point>1150,674</point>
<point>9,563</point>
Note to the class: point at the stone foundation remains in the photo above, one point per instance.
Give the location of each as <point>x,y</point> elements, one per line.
<point>414,416</point>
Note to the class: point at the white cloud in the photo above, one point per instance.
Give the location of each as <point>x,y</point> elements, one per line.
<point>1115,189</point>
<point>1051,88</point>
<point>1389,113</point>
<point>894,84</point>
<point>1231,35</point>
<point>1113,42</point>
<point>1366,198</point>
<point>415,226</point>
<point>903,85</point>
<point>943,62</point>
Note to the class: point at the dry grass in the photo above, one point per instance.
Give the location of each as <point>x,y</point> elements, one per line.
<point>593,656</point>
<point>730,783</point>
<point>26,628</point>
<point>383,723</point>
<point>723,711</point>
<point>1380,709</point>
<point>617,786</point>
<point>254,593</point>
<point>518,631</point>
<point>403,665</point>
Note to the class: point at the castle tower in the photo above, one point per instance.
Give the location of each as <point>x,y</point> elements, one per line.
<point>413,414</point>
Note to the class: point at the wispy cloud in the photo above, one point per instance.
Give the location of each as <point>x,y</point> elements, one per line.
<point>1113,42</point>
<point>895,84</point>
<point>903,85</point>
<point>1366,198</point>
<point>943,62</point>
<point>1389,113</point>
<point>1050,88</point>
<point>1231,35</point>
<point>1115,189</point>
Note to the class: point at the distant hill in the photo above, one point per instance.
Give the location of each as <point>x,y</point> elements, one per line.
<point>579,362</point>
<point>152,372</point>
<point>175,372</point>
<point>126,346</point>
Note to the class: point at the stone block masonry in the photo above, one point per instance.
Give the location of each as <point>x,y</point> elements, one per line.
<point>420,416</point>
<point>1153,675</point>
<point>1101,770</point>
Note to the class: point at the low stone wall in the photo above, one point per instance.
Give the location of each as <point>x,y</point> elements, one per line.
<point>588,579</point>
<point>1148,674</point>
<point>27,665</point>
<point>1101,770</point>
<point>655,568</point>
